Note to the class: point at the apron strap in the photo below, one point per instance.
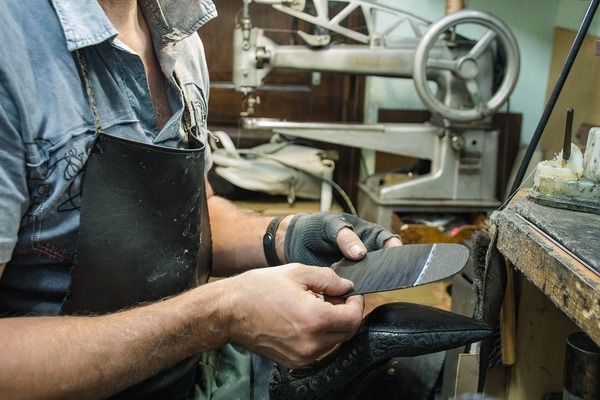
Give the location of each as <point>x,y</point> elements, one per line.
<point>90,92</point>
<point>188,121</point>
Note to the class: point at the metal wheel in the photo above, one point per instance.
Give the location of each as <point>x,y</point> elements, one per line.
<point>442,51</point>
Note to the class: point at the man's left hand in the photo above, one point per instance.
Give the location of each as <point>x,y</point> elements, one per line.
<point>324,238</point>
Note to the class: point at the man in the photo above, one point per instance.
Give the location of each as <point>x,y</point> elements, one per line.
<point>84,80</point>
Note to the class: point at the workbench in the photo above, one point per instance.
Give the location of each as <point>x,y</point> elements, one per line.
<point>555,255</point>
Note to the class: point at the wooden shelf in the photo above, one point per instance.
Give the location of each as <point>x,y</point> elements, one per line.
<point>547,245</point>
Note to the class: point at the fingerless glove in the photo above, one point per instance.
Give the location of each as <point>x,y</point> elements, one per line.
<point>311,238</point>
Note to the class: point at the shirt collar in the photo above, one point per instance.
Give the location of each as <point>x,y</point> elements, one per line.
<point>85,24</point>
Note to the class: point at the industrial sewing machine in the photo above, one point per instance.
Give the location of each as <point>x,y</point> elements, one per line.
<point>464,68</point>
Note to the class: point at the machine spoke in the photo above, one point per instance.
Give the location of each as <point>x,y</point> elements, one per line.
<point>475,92</point>
<point>482,44</point>
<point>441,64</point>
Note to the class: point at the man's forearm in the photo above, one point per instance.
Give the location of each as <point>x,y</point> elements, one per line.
<point>94,357</point>
<point>237,237</point>
<point>271,311</point>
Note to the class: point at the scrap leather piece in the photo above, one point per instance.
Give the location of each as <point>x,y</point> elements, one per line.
<point>403,266</point>
<point>572,229</point>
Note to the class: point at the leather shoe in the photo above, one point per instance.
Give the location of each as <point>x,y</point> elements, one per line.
<point>391,330</point>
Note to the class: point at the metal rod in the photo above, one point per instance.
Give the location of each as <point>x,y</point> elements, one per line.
<point>568,134</point>
<point>269,123</point>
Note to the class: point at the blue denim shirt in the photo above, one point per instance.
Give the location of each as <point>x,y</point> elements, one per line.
<point>45,118</point>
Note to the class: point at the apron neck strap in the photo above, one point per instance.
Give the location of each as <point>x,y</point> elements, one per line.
<point>189,121</point>
<point>90,92</point>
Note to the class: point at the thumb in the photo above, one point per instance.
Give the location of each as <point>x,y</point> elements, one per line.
<point>350,244</point>
<point>326,281</point>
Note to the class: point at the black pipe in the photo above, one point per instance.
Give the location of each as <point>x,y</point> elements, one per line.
<point>582,368</point>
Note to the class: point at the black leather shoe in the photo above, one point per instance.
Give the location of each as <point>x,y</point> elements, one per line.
<point>389,331</point>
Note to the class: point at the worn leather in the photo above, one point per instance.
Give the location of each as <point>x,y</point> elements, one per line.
<point>144,236</point>
<point>140,237</point>
<point>391,330</point>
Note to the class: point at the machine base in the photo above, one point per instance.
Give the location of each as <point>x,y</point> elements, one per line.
<point>380,212</point>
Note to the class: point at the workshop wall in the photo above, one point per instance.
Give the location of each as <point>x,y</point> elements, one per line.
<point>581,92</point>
<point>569,15</point>
<point>533,23</point>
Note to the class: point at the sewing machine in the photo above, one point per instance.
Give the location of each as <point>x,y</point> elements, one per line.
<point>462,80</point>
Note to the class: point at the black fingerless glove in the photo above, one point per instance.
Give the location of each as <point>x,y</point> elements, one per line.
<point>311,238</point>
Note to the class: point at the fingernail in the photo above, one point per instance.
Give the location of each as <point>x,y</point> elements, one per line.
<point>348,282</point>
<point>358,250</point>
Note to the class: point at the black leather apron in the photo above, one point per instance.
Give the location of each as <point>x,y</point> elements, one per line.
<point>144,235</point>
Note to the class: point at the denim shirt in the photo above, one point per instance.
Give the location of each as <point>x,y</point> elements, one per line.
<point>46,122</point>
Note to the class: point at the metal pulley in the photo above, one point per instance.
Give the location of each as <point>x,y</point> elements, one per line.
<point>443,51</point>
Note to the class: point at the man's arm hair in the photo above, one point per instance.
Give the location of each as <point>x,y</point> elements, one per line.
<point>74,357</point>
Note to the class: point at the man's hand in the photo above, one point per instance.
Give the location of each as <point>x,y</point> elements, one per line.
<point>352,246</point>
<point>324,238</point>
<point>282,313</point>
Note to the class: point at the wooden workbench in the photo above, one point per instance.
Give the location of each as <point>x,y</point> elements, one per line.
<point>555,254</point>
<point>566,280</point>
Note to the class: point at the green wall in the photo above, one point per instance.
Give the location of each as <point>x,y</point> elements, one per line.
<point>570,13</point>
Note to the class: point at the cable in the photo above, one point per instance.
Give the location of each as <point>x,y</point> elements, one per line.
<point>348,203</point>
<point>562,77</point>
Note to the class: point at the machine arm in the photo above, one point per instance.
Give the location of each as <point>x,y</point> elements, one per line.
<point>461,68</point>
<point>369,9</point>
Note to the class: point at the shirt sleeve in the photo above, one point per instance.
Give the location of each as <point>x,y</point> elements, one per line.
<point>14,198</point>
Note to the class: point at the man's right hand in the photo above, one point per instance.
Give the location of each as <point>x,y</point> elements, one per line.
<point>281,312</point>
<point>275,312</point>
